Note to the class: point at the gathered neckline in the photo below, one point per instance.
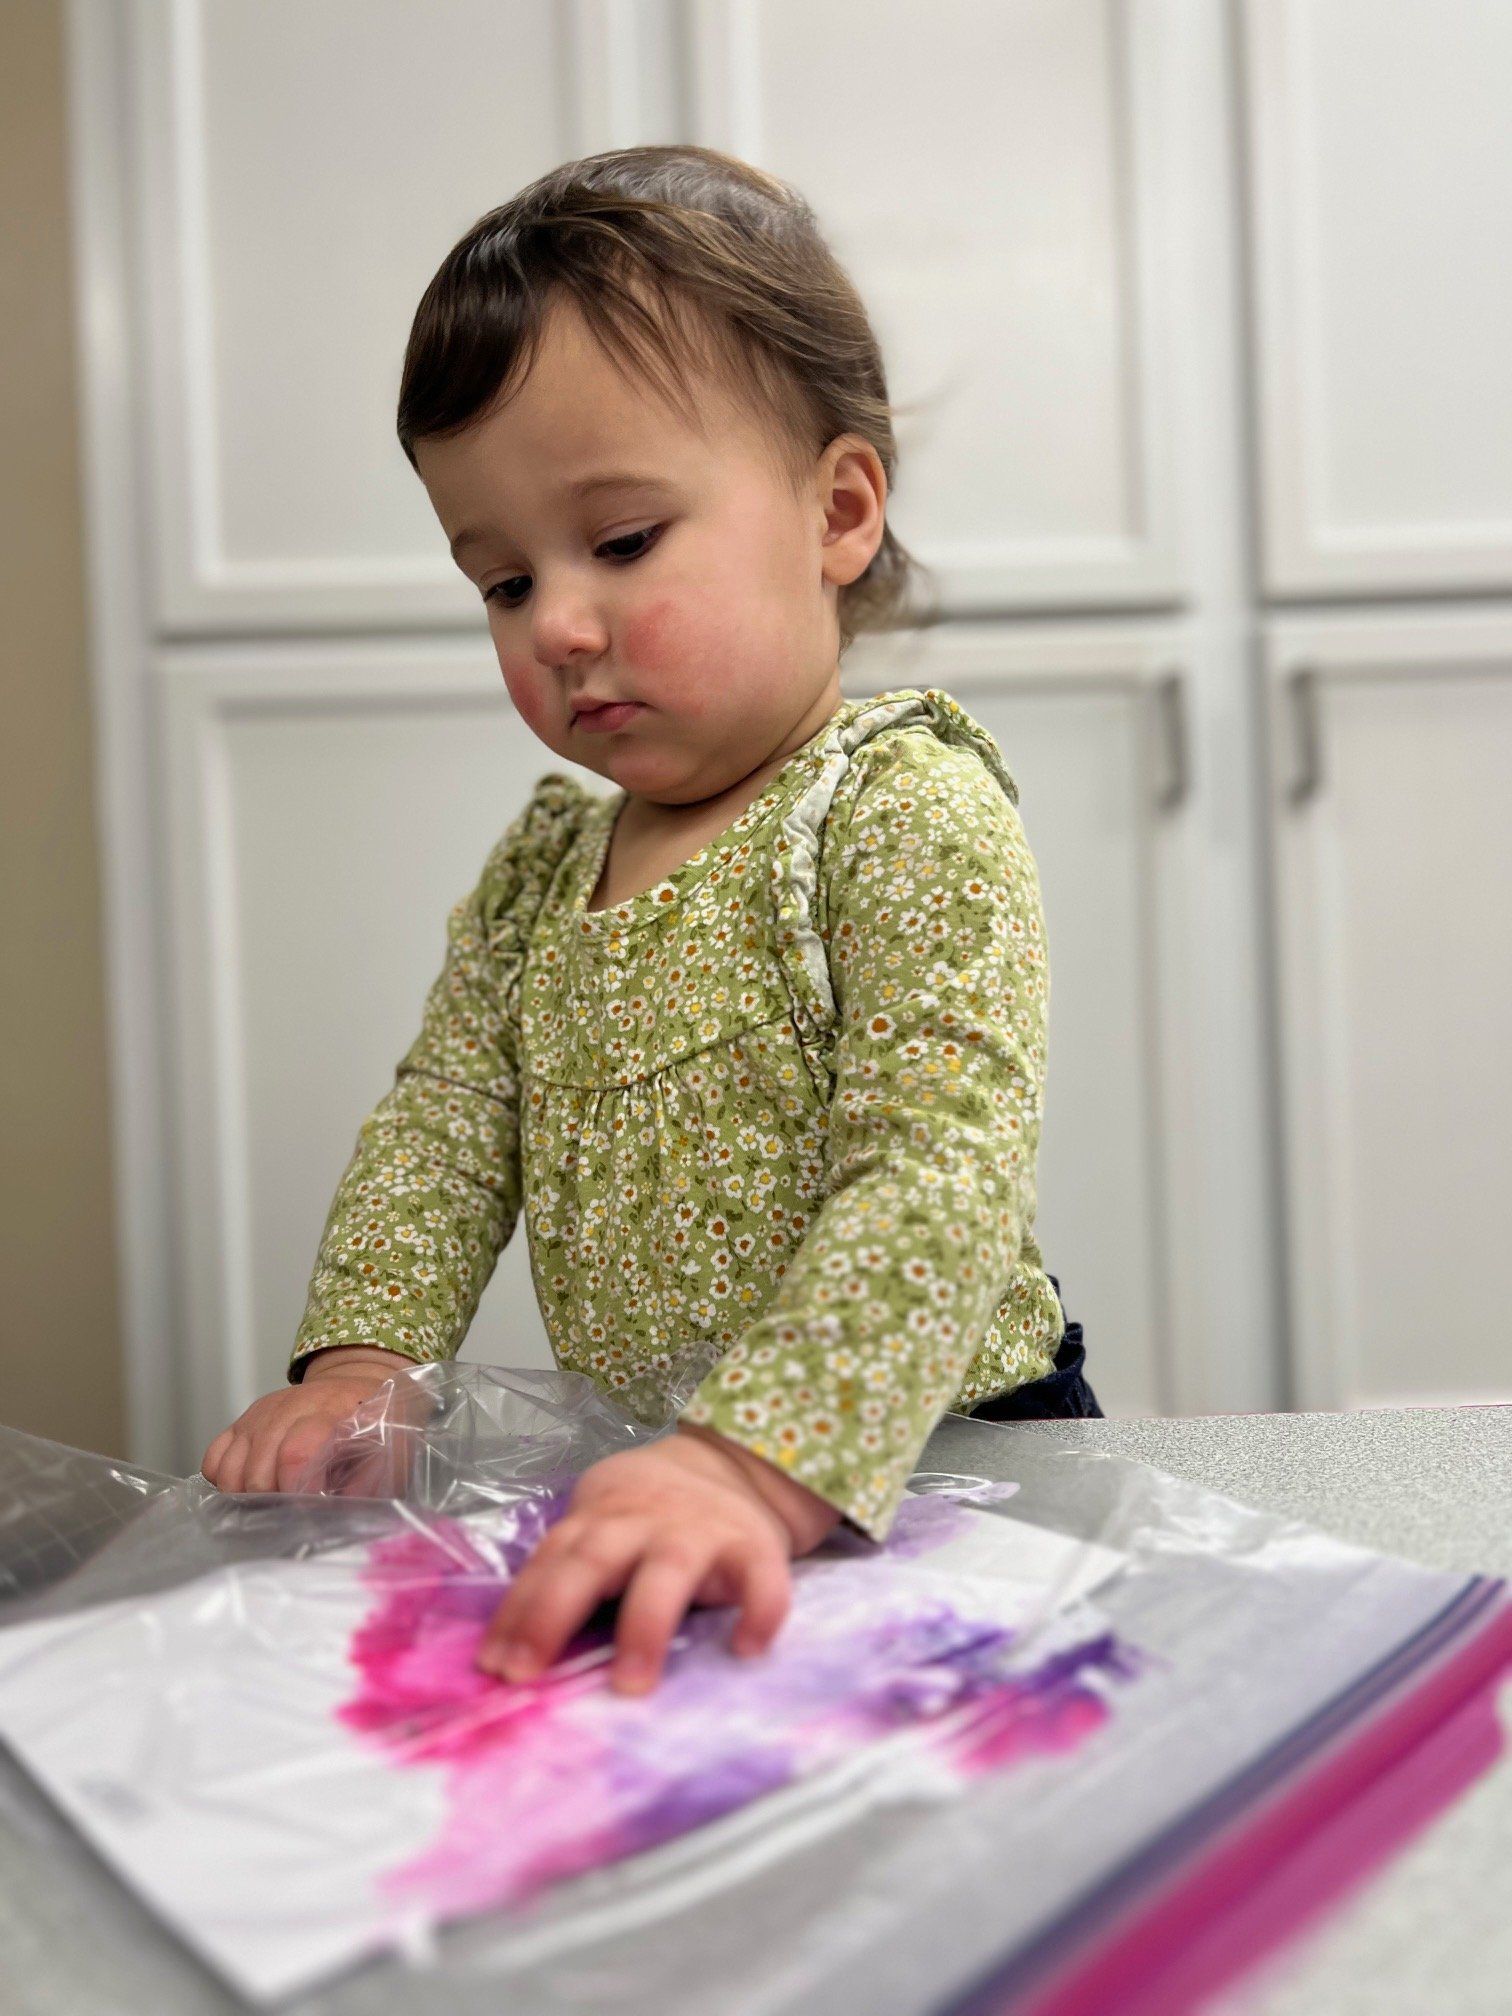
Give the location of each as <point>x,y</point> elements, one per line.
<point>663,897</point>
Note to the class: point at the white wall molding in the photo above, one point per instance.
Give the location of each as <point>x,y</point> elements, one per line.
<point>106,264</point>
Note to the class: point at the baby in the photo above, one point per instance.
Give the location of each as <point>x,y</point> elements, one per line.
<point>757,1042</point>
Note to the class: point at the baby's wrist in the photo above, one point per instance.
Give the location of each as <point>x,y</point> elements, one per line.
<point>355,1358</point>
<point>806,1516</point>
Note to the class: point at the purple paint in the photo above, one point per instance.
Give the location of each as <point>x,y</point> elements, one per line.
<point>562,1775</point>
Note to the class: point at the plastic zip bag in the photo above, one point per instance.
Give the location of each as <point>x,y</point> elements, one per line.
<point>261,1709</point>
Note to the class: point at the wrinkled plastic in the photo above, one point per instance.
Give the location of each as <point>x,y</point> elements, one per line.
<point>77,1528</point>
<point>959,1763</point>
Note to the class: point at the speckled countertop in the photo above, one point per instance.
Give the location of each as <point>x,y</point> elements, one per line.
<point>1431,1483</point>
<point>1432,1935</point>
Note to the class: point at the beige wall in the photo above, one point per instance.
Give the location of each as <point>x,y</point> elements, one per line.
<point>60,1355</point>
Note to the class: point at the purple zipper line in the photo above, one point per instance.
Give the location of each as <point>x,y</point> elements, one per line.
<point>1097,1905</point>
<point>1140,1959</point>
<point>1269,1906</point>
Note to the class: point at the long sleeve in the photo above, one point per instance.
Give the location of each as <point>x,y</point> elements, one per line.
<point>941,986</point>
<point>432,1193</point>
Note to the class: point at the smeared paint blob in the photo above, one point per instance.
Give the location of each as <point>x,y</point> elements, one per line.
<point>557,1776</point>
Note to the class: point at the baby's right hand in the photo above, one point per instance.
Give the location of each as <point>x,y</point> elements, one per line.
<point>268,1447</point>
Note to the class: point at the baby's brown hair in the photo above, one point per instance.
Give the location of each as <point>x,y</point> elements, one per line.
<point>673,255</point>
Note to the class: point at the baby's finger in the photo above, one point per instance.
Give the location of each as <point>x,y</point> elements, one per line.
<point>262,1464</point>
<point>554,1597</point>
<point>766,1593</point>
<point>232,1465</point>
<point>211,1460</point>
<point>654,1605</point>
<point>515,1604</point>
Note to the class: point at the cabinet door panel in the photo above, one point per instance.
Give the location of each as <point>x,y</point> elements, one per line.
<point>298,174</point>
<point>1382,160</point>
<point>1397,1014</point>
<point>1005,206</point>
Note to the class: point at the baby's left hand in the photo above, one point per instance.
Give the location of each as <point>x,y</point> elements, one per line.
<point>692,1518</point>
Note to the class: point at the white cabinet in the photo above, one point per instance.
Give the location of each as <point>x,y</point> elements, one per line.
<point>1380,136</point>
<point>1045,206</point>
<point>338,804</point>
<point>330,808</point>
<point>299,174</point>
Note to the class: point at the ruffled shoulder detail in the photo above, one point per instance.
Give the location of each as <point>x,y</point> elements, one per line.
<point>521,868</point>
<point>843,763</point>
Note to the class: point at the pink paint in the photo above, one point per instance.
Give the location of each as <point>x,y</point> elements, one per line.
<point>561,1775</point>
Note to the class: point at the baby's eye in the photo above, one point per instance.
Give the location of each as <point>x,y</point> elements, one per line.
<point>649,533</point>
<point>500,590</point>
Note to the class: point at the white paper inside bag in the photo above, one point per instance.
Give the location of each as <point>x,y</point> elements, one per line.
<point>203,1738</point>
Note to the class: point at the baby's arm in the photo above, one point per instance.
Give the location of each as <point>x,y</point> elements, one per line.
<point>423,1209</point>
<point>938,965</point>
<point>433,1189</point>
<point>432,1192</point>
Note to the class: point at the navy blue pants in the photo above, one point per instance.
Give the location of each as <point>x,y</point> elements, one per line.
<point>1062,1392</point>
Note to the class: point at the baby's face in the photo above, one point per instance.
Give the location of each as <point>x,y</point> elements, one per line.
<point>704,590</point>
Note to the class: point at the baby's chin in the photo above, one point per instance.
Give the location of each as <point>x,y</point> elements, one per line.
<point>649,761</point>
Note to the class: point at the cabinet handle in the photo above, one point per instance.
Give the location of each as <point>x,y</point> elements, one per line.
<point>1307,777</point>
<point>1168,702</point>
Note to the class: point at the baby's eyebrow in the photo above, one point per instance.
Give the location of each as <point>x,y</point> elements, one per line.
<point>616,479</point>
<point>585,486</point>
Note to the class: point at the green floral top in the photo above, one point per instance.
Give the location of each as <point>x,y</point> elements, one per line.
<point>772,1122</point>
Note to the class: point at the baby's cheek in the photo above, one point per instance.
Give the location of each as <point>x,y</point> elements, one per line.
<point>660,636</point>
<point>526,690</point>
<point>646,635</point>
<point>671,643</point>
